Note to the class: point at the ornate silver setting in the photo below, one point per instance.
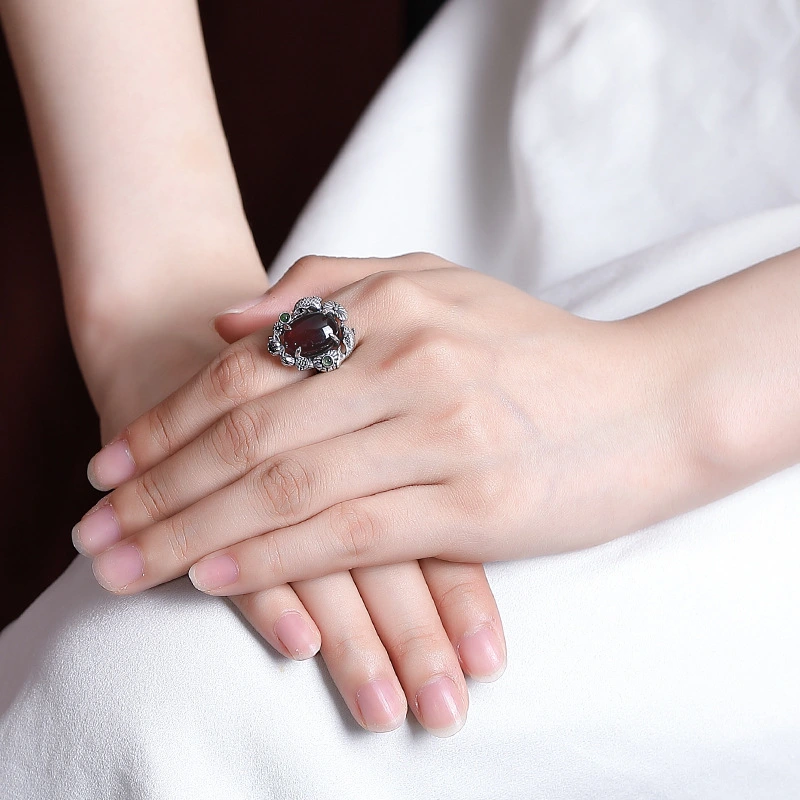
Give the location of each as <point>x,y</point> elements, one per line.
<point>323,362</point>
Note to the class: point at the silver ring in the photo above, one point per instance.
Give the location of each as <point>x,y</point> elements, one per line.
<point>312,336</point>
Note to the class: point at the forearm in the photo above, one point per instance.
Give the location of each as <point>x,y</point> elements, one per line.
<point>733,355</point>
<point>142,199</point>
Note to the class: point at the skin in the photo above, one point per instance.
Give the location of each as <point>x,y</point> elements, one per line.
<point>152,241</point>
<point>553,433</point>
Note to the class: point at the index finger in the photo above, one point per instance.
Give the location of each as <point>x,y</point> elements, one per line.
<point>242,372</point>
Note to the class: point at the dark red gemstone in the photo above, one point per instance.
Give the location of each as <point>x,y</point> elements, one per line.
<point>313,334</point>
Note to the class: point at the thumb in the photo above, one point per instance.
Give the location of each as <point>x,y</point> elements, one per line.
<point>311,275</point>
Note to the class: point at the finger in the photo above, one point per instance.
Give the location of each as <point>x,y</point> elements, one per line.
<point>311,275</point>
<point>282,492</point>
<point>238,442</point>
<point>469,614</point>
<point>242,372</point>
<point>405,616</point>
<point>246,370</point>
<point>365,532</point>
<point>282,620</point>
<point>354,654</point>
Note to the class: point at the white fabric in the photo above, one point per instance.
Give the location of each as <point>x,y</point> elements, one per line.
<point>549,144</point>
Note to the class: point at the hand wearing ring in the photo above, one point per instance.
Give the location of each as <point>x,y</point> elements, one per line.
<point>458,432</point>
<point>472,423</point>
<point>468,425</point>
<point>429,645</point>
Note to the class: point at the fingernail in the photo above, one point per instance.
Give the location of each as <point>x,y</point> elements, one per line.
<point>439,707</point>
<point>296,635</point>
<point>242,307</point>
<point>214,573</point>
<point>481,655</point>
<point>118,568</point>
<point>97,531</point>
<point>112,466</point>
<point>382,709</point>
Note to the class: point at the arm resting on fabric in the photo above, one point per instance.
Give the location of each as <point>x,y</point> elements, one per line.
<point>732,350</point>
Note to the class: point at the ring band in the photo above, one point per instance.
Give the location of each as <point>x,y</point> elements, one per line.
<point>312,336</point>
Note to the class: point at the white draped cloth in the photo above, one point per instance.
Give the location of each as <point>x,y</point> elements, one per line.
<point>606,155</point>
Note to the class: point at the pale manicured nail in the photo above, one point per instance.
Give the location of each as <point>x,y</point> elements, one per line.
<point>296,635</point>
<point>119,567</point>
<point>481,655</point>
<point>112,466</point>
<point>382,709</point>
<point>242,307</point>
<point>97,531</point>
<point>214,573</point>
<point>439,705</point>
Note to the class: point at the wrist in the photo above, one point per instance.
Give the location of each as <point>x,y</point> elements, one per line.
<point>703,461</point>
<point>136,340</point>
<point>141,376</point>
<point>738,344</point>
<point>654,468</point>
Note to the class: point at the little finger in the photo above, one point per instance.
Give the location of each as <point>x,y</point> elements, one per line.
<point>469,614</point>
<point>281,619</point>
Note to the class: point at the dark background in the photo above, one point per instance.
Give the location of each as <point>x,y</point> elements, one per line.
<point>291,79</point>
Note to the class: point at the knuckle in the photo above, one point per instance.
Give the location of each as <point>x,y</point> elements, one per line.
<point>273,557</point>
<point>393,289</point>
<point>179,539</point>
<point>231,376</point>
<point>309,264</point>
<point>422,637</point>
<point>467,422</point>
<point>236,437</point>
<point>485,502</point>
<point>460,596</point>
<point>356,531</point>
<point>441,352</point>
<point>420,260</point>
<point>351,646</point>
<point>423,257</point>
<point>435,353</point>
<point>152,496</point>
<point>495,493</point>
<point>285,486</point>
<point>163,431</point>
